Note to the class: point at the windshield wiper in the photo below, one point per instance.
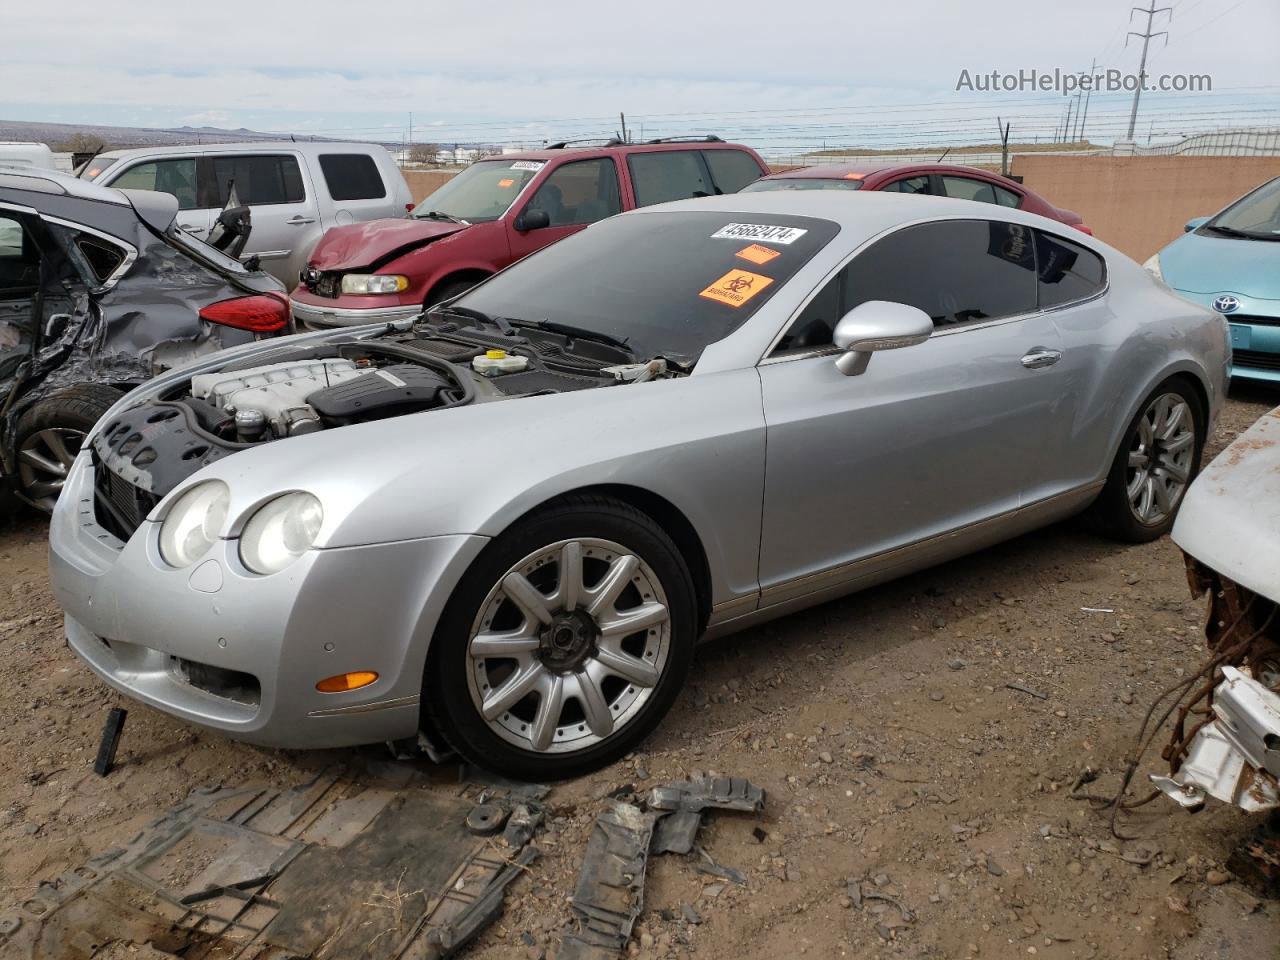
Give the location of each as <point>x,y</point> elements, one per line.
<point>437,215</point>
<point>569,330</point>
<point>1239,234</point>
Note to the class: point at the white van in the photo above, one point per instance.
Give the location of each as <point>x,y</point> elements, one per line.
<point>296,191</point>
<point>26,155</point>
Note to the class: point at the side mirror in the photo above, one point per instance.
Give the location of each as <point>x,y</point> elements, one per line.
<point>532,220</point>
<point>1195,223</point>
<point>878,325</point>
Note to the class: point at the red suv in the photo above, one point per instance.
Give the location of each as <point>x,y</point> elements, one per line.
<point>496,211</point>
<point>926,179</point>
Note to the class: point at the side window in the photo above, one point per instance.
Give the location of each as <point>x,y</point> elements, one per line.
<point>732,169</point>
<point>1007,198</point>
<point>104,258</point>
<point>907,185</point>
<point>19,261</point>
<point>177,177</point>
<point>668,175</point>
<point>963,188</point>
<point>1067,270</point>
<point>259,180</point>
<point>352,176</point>
<point>956,271</point>
<point>580,192</point>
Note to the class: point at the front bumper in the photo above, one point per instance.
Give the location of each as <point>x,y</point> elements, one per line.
<point>226,649</point>
<point>1255,336</point>
<point>320,316</point>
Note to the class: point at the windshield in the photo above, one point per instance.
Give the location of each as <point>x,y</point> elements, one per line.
<point>1254,215</point>
<point>668,284</point>
<point>482,192</point>
<point>802,183</point>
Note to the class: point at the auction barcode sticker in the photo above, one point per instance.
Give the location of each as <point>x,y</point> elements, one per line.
<point>528,165</point>
<point>768,233</point>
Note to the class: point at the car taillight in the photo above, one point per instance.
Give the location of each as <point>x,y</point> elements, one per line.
<point>408,207</point>
<point>261,313</point>
<point>1084,229</point>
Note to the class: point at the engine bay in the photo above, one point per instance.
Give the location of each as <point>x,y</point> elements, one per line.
<point>295,389</point>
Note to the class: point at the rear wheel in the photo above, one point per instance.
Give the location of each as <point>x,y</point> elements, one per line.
<point>1157,460</point>
<point>565,644</point>
<point>49,436</point>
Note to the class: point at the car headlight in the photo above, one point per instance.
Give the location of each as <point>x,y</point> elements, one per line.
<point>1152,266</point>
<point>280,532</point>
<point>192,523</point>
<point>374,283</point>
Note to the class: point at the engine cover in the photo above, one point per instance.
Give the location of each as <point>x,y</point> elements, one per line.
<point>278,391</point>
<point>399,388</point>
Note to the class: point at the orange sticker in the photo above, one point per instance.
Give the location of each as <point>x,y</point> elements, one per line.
<point>758,254</point>
<point>736,287</point>
<point>854,176</point>
<point>505,183</point>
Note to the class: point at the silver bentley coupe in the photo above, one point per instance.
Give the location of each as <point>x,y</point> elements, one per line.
<point>504,525</point>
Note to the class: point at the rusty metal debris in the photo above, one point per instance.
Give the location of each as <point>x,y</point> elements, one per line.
<point>337,869</point>
<point>1226,715</point>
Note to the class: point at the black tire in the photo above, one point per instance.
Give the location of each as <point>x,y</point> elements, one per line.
<point>448,704</point>
<point>448,291</point>
<point>70,415</point>
<point>1112,514</point>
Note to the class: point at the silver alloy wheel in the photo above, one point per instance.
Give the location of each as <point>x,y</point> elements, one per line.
<point>44,460</point>
<point>568,646</point>
<point>1160,459</point>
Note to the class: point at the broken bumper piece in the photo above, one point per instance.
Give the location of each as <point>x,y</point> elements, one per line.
<point>1235,757</point>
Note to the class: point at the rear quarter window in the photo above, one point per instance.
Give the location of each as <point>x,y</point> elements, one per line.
<point>352,176</point>
<point>732,169</point>
<point>1067,271</point>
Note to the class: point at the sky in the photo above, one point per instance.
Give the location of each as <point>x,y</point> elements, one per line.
<point>501,71</point>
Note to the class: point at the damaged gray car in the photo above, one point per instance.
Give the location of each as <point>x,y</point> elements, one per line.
<point>99,292</point>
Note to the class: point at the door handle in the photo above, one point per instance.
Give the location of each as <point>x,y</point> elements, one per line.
<point>300,221</point>
<point>191,228</point>
<point>1041,357</point>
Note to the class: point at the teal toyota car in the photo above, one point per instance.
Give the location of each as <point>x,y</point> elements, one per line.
<point>1230,262</point>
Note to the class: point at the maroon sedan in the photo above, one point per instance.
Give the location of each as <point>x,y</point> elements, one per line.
<point>497,211</point>
<point>929,179</point>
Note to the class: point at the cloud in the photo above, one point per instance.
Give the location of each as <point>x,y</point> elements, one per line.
<point>207,118</point>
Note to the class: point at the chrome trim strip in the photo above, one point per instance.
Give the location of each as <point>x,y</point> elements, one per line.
<point>366,707</point>
<point>728,609</point>
<point>325,317</point>
<point>899,556</point>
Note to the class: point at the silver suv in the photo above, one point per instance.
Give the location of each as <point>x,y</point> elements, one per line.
<point>297,190</point>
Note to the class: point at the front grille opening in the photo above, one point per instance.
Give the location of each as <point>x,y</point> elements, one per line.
<point>219,681</point>
<point>118,506</point>
<point>1255,359</point>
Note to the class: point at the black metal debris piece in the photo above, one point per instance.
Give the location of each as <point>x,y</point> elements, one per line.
<point>110,742</point>
<point>345,867</point>
<point>610,891</point>
<point>677,831</point>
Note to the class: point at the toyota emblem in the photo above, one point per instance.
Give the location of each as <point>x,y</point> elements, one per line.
<point>1226,304</point>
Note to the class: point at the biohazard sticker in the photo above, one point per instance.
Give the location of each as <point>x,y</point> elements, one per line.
<point>528,165</point>
<point>757,254</point>
<point>736,287</point>
<point>760,232</point>
<point>506,183</point>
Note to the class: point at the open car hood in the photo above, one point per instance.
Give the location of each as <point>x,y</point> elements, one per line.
<point>377,241</point>
<point>1230,520</point>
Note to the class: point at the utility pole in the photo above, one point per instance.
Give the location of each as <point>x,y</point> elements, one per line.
<point>1004,146</point>
<point>1093,69</point>
<point>1142,64</point>
<point>1066,127</point>
<point>622,121</point>
<point>410,129</point>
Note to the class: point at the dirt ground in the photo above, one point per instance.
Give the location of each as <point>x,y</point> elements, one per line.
<point>880,725</point>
